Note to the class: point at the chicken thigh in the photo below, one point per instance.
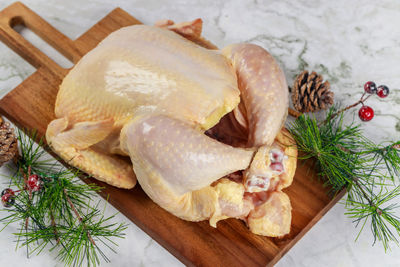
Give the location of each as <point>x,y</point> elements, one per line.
<point>148,94</point>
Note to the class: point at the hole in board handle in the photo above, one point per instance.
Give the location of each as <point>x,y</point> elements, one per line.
<point>18,25</point>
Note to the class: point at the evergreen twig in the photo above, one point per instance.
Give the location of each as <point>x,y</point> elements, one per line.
<point>78,216</point>
<point>60,211</point>
<point>347,159</point>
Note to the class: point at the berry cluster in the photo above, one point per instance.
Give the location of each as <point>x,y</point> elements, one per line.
<point>366,113</point>
<point>8,197</point>
<point>33,184</point>
<point>382,90</point>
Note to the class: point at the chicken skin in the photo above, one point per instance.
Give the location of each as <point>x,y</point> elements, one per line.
<point>146,104</point>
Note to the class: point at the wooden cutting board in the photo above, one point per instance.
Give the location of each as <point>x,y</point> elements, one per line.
<point>31,105</point>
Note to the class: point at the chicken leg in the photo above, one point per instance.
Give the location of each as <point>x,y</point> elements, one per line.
<point>175,164</point>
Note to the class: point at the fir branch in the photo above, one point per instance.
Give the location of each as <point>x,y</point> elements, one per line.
<point>59,216</point>
<point>370,202</point>
<point>53,224</point>
<point>79,217</point>
<point>347,159</point>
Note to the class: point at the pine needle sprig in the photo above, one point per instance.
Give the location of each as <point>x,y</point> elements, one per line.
<point>59,216</point>
<point>32,155</point>
<point>346,159</point>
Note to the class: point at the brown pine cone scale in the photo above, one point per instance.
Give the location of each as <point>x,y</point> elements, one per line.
<point>310,93</point>
<point>8,142</point>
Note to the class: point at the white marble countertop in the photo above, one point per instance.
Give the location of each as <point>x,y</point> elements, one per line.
<point>350,42</point>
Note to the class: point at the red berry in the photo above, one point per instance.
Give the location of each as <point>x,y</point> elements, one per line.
<point>7,197</point>
<point>366,113</point>
<point>382,91</point>
<point>7,191</point>
<point>34,183</point>
<point>370,87</point>
<point>7,200</point>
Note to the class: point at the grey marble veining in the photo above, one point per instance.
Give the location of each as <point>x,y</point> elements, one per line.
<point>349,42</point>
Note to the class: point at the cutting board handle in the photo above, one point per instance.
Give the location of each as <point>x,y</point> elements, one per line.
<point>17,13</point>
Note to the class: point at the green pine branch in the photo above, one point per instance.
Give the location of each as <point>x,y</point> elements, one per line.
<point>60,216</point>
<point>347,159</point>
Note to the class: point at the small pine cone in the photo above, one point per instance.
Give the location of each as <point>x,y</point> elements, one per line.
<point>8,142</point>
<point>310,93</point>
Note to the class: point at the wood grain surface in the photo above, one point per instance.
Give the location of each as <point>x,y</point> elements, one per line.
<point>31,106</point>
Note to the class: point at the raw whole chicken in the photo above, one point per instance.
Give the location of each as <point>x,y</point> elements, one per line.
<point>199,128</point>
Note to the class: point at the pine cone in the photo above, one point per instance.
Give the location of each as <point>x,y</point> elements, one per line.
<point>310,94</point>
<point>8,142</point>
